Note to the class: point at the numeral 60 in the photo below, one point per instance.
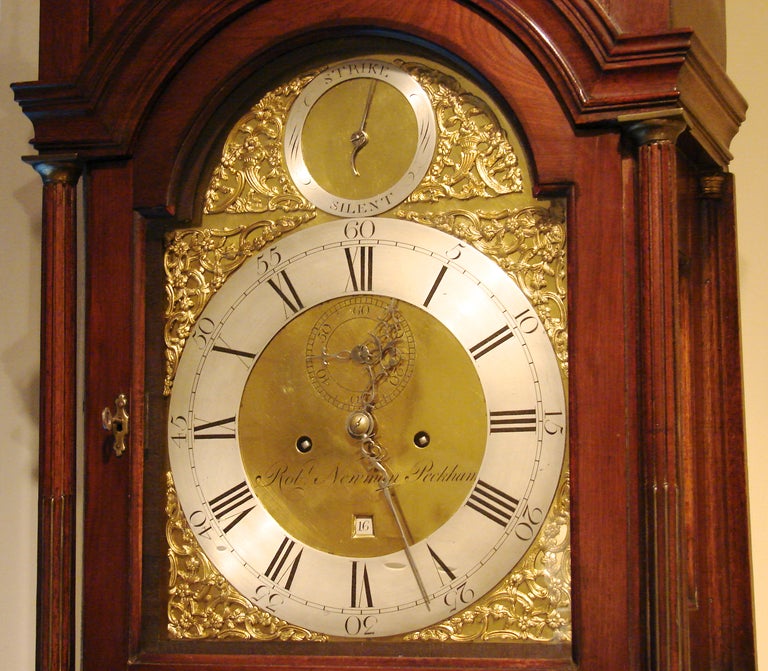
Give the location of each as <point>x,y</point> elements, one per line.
<point>364,228</point>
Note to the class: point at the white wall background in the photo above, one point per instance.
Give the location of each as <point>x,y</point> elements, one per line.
<point>19,313</point>
<point>747,26</point>
<point>19,342</point>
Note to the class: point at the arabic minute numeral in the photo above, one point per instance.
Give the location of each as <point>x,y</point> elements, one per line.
<point>268,599</point>
<point>554,423</point>
<point>359,228</point>
<point>179,436</point>
<point>198,520</point>
<point>529,523</point>
<point>459,597</point>
<point>202,332</point>
<point>527,321</point>
<point>360,626</point>
<point>454,253</point>
<point>268,260</point>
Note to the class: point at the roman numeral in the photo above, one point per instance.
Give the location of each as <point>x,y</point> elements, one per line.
<point>440,565</point>
<point>283,567</point>
<point>215,430</point>
<point>360,267</point>
<point>491,342</point>
<point>492,503</point>
<point>232,505</point>
<point>361,587</point>
<point>293,303</point>
<point>513,421</point>
<point>436,284</point>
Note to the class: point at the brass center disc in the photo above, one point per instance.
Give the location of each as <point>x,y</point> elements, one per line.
<point>307,469</point>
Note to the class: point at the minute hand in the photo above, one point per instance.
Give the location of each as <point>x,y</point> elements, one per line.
<point>405,535</point>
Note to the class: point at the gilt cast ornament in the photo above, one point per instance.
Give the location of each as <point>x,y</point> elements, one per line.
<point>474,161</point>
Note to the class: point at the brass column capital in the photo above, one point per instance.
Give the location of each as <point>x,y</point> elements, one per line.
<point>56,168</point>
<point>663,126</point>
<point>712,186</point>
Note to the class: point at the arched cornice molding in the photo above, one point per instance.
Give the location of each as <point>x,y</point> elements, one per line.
<point>599,75</point>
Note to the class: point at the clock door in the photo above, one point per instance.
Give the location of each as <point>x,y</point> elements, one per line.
<point>613,136</point>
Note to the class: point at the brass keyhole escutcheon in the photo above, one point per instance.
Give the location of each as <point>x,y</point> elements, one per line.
<point>117,423</point>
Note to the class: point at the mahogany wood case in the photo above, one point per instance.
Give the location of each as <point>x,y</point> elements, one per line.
<point>626,117</point>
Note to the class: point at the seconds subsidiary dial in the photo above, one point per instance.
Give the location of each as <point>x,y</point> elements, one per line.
<point>366,427</point>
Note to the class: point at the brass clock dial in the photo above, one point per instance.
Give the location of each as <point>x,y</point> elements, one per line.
<point>359,137</point>
<point>368,454</point>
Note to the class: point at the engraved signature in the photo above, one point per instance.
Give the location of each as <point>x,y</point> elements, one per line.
<point>344,474</point>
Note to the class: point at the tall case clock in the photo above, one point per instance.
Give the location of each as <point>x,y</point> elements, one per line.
<point>410,337</point>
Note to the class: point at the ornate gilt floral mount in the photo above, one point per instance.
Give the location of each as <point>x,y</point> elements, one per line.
<point>473,158</point>
<point>251,174</point>
<point>201,603</point>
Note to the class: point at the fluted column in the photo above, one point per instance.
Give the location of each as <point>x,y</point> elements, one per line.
<point>657,201</point>
<point>58,415</point>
